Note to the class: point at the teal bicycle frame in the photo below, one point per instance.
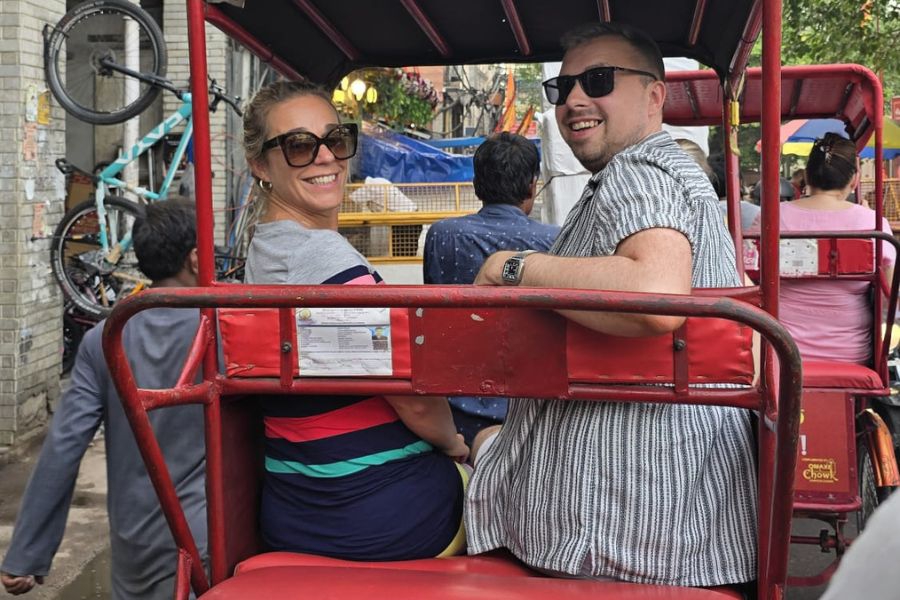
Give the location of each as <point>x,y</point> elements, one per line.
<point>108,177</point>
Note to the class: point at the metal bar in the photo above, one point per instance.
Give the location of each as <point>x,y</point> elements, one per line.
<point>696,23</point>
<point>603,11</point>
<point>775,517</point>
<point>206,259</point>
<point>215,494</point>
<point>326,27</point>
<point>150,451</point>
<point>515,22</point>
<point>427,27</point>
<point>733,188</point>
<point>195,354</point>
<point>779,451</point>
<point>739,62</point>
<point>215,16</point>
<point>288,344</point>
<point>202,160</point>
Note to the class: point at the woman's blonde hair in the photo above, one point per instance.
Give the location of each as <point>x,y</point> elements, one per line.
<point>257,111</point>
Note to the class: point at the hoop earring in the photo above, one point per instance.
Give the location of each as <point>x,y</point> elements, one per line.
<point>265,186</point>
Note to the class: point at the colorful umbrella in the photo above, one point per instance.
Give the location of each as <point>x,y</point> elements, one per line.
<point>799,143</point>
<point>799,138</point>
<point>890,141</point>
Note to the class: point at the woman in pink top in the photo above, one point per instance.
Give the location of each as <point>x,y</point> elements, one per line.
<point>830,320</point>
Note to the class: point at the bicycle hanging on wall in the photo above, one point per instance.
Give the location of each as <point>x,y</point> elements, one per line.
<point>91,253</point>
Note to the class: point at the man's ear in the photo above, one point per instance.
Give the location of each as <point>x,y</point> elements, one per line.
<point>193,263</point>
<point>657,96</point>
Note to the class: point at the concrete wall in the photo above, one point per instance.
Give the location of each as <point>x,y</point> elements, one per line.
<point>31,201</point>
<point>175,30</point>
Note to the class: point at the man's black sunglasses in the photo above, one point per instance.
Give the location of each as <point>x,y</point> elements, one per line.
<point>596,82</point>
<point>300,148</point>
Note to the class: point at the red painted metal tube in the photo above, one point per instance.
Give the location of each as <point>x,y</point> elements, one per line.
<point>780,447</point>
<point>202,164</point>
<point>773,517</point>
<point>733,189</point>
<point>515,22</point>
<point>326,27</point>
<point>205,250</point>
<point>427,27</point>
<point>218,18</point>
<point>696,23</point>
<point>742,54</point>
<point>603,11</point>
<point>196,352</point>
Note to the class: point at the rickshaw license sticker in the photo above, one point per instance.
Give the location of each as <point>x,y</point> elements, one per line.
<point>344,341</point>
<point>799,257</point>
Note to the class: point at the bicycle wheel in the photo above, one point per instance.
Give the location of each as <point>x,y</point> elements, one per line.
<point>872,495</point>
<point>79,264</point>
<point>83,38</point>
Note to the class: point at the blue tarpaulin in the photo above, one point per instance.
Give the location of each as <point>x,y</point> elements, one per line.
<point>401,159</point>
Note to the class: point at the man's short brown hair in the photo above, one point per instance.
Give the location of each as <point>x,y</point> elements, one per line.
<point>644,46</point>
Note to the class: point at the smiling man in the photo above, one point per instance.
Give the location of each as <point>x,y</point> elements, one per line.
<point>637,492</point>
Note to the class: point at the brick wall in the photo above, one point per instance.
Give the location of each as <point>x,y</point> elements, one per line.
<point>31,202</point>
<point>175,30</point>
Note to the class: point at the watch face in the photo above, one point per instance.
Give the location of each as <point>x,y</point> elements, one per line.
<point>510,271</point>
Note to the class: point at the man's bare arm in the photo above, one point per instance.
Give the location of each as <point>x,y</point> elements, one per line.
<point>654,260</point>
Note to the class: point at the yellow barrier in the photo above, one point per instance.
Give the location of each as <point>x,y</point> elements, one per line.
<point>385,221</point>
<point>891,199</point>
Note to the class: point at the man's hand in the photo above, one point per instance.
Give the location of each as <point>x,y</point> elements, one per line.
<point>492,269</point>
<point>458,451</point>
<point>19,584</point>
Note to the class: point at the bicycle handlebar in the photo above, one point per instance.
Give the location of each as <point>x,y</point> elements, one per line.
<point>215,90</point>
<point>219,95</point>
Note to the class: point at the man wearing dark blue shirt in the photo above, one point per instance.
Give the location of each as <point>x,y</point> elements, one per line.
<point>506,170</point>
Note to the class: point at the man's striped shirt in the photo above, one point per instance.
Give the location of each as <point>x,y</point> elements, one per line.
<point>640,492</point>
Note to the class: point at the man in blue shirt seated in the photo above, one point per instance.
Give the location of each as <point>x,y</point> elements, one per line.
<point>506,172</point>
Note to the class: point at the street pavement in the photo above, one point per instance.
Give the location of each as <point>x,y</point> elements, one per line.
<point>87,530</point>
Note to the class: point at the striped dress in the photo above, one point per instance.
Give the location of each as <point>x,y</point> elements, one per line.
<point>646,493</point>
<point>344,477</point>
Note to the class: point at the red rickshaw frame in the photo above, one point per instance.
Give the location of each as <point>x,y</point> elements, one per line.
<point>778,447</point>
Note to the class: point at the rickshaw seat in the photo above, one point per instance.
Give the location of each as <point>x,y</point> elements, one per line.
<point>833,374</point>
<point>371,580</point>
<point>500,563</point>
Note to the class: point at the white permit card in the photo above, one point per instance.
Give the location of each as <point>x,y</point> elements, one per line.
<point>799,257</point>
<point>344,342</point>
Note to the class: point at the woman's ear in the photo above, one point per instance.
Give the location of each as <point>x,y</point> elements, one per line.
<point>259,169</point>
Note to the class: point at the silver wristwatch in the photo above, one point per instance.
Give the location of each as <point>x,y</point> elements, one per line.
<point>514,268</point>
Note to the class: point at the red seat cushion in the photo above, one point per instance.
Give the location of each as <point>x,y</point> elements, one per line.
<point>830,374</point>
<point>500,563</point>
<point>345,583</point>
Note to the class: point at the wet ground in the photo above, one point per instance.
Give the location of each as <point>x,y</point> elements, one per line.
<point>87,529</point>
<point>92,583</point>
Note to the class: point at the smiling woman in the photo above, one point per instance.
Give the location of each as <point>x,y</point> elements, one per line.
<point>363,478</point>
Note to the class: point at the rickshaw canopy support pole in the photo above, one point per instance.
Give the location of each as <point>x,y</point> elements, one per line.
<point>777,516</point>
<point>203,187</point>
<point>733,186</point>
